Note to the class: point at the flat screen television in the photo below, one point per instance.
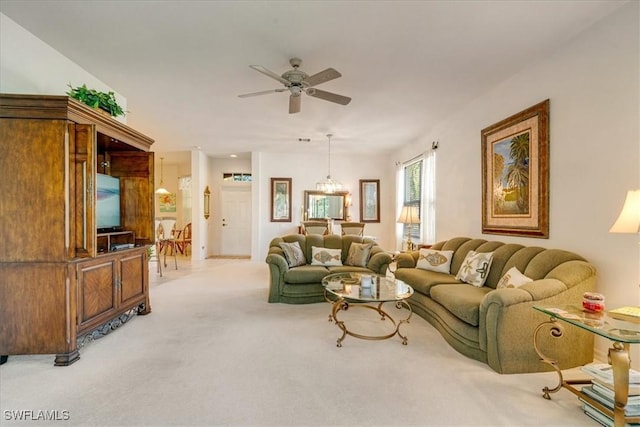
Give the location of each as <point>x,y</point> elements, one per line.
<point>107,203</point>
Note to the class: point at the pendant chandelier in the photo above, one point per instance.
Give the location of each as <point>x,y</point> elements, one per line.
<point>329,185</point>
<point>161,189</point>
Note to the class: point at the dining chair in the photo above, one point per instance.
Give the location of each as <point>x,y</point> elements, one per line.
<point>154,250</point>
<point>168,240</point>
<point>183,240</point>
<point>354,228</point>
<point>315,227</point>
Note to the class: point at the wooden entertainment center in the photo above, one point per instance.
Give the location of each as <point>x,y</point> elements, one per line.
<point>61,284</point>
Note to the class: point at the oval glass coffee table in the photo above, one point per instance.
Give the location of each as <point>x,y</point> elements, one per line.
<point>370,291</point>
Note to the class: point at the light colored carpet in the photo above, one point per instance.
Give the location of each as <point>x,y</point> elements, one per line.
<point>214,352</point>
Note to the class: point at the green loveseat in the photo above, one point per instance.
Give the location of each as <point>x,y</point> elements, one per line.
<point>496,326</point>
<point>303,284</point>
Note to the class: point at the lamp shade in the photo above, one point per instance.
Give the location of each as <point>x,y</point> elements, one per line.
<point>409,215</point>
<point>629,219</point>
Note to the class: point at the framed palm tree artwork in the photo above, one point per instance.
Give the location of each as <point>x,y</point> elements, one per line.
<point>515,174</point>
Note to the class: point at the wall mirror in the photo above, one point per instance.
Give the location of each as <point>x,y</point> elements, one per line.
<point>319,205</point>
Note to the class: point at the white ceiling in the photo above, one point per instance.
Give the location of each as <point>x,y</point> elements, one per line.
<point>406,64</point>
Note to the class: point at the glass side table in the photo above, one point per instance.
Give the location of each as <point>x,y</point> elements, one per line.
<point>621,333</point>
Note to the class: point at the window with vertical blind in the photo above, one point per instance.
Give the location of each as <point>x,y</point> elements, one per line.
<point>413,193</point>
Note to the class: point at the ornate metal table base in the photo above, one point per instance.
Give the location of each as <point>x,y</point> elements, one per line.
<point>620,363</point>
<point>556,330</point>
<point>344,305</point>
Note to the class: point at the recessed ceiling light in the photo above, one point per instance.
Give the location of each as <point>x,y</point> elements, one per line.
<point>233,155</point>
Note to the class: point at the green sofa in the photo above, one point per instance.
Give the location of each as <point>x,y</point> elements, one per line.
<point>496,326</point>
<point>303,284</point>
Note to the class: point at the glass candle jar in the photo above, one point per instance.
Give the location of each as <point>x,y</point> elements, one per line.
<point>592,301</point>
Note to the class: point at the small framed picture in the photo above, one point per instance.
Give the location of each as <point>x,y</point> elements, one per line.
<point>369,200</point>
<point>280,199</point>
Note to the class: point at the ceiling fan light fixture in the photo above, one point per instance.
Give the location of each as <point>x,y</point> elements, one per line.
<point>329,185</point>
<point>297,81</point>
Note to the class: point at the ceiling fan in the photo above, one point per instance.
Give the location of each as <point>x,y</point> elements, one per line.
<point>297,81</point>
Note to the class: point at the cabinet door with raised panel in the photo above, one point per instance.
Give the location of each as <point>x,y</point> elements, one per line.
<point>34,187</point>
<point>133,265</point>
<point>97,298</point>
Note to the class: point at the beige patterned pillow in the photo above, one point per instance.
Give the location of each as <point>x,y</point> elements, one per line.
<point>475,268</point>
<point>430,259</point>
<point>358,254</point>
<point>325,256</point>
<point>513,279</point>
<point>293,253</point>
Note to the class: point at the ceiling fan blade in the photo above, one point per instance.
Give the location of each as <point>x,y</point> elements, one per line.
<point>322,76</point>
<point>328,96</point>
<point>270,73</point>
<point>264,92</point>
<point>294,104</point>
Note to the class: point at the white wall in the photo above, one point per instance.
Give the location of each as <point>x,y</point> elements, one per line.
<point>31,66</point>
<point>307,169</point>
<point>594,91</point>
<point>200,178</point>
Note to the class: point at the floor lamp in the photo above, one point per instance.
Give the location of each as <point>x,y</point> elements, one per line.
<point>409,215</point>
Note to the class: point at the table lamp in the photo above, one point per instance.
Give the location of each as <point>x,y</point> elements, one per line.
<point>629,219</point>
<point>628,222</point>
<point>409,215</point>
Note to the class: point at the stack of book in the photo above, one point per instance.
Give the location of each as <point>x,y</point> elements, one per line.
<point>629,314</point>
<point>601,390</point>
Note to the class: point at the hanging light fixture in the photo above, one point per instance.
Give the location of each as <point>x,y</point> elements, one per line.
<point>161,189</point>
<point>329,185</point>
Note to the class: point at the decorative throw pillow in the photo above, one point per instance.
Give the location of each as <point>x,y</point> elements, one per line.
<point>475,268</point>
<point>293,253</point>
<point>358,254</point>
<point>430,259</point>
<point>513,279</point>
<point>325,256</point>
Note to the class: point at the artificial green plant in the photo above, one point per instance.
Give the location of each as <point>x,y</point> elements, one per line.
<point>104,100</point>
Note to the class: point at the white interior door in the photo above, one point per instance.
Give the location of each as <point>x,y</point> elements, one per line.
<point>236,221</point>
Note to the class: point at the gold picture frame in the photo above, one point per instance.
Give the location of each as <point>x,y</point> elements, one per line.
<point>280,199</point>
<point>515,174</point>
<point>369,200</point>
